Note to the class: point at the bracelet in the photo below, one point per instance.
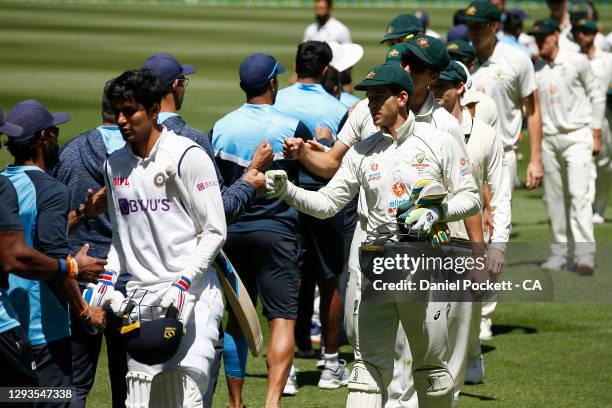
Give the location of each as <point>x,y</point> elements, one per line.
<point>63,270</point>
<point>73,267</point>
<point>84,315</point>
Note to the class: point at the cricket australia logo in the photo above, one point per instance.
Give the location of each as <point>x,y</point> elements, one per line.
<point>471,11</point>
<point>370,75</point>
<point>452,47</point>
<point>169,332</point>
<point>422,42</point>
<point>393,53</point>
<point>390,29</point>
<point>419,162</point>
<point>159,179</point>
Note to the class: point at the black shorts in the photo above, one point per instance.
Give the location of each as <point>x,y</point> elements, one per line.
<point>18,368</point>
<point>323,242</point>
<point>267,263</point>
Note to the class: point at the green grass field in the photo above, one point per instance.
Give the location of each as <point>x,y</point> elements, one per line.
<point>543,354</point>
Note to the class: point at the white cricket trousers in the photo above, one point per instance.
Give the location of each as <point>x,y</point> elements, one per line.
<point>567,160</point>
<point>603,168</point>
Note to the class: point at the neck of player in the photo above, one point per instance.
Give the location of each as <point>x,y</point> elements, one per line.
<point>486,50</point>
<point>400,119</point>
<point>168,103</point>
<point>142,148</point>
<point>418,97</point>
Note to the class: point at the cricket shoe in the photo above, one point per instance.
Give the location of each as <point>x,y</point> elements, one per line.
<point>555,263</point>
<point>291,384</point>
<point>585,266</point>
<point>598,218</point>
<point>486,332</point>
<point>475,370</point>
<point>332,379</point>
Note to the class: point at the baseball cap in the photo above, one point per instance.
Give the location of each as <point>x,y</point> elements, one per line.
<point>257,70</point>
<point>387,74</point>
<point>155,341</point>
<point>518,13</point>
<point>544,26</point>
<point>345,55</point>
<point>33,116</point>
<point>429,50</point>
<point>481,12</point>
<point>578,11</point>
<point>587,24</point>
<point>402,25</point>
<point>454,73</point>
<point>458,32</point>
<point>422,16</point>
<point>9,128</point>
<point>461,50</point>
<point>167,67</point>
<point>395,53</point>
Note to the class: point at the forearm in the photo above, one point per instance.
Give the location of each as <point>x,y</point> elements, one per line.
<point>69,290</point>
<point>236,198</point>
<point>320,204</point>
<point>534,127</point>
<point>323,164</point>
<point>473,226</point>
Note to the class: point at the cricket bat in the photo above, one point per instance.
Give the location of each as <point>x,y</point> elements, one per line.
<point>233,288</point>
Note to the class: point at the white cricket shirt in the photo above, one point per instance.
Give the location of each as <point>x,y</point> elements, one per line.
<point>332,31</point>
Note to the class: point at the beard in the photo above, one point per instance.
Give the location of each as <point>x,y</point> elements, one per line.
<point>51,156</point>
<point>321,19</point>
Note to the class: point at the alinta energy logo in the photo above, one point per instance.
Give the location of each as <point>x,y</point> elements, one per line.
<point>127,207</point>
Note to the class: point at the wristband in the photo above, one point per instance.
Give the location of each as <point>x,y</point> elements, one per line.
<point>72,266</point>
<point>63,269</point>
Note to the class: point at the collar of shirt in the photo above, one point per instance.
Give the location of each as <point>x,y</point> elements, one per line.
<point>165,115</point>
<point>263,107</point>
<point>403,131</point>
<point>112,138</point>
<point>466,124</point>
<point>12,169</point>
<point>153,152</point>
<point>426,109</point>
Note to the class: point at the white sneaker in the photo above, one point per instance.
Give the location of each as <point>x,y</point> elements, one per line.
<point>475,370</point>
<point>554,264</point>
<point>291,384</point>
<point>485,329</point>
<point>598,219</point>
<point>332,379</point>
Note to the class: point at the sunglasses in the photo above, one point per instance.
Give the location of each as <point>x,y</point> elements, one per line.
<point>183,82</point>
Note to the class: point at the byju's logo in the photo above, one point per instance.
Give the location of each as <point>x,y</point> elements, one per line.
<point>150,204</point>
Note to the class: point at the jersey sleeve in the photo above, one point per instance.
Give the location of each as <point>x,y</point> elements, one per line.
<point>501,196</point>
<point>52,220</point>
<point>115,259</point>
<point>526,75</point>
<point>351,132</point>
<point>330,199</point>
<point>197,172</point>
<point>594,92</point>
<point>458,178</point>
<point>9,214</point>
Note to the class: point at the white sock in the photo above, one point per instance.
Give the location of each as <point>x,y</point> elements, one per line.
<point>331,361</point>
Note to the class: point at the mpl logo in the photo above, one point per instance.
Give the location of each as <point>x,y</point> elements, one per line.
<point>150,205</point>
<point>121,182</point>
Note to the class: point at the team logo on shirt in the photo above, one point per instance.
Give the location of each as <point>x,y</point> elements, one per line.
<point>419,162</point>
<point>465,166</point>
<point>159,179</point>
<point>393,53</point>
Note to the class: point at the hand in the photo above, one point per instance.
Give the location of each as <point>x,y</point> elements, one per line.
<point>263,156</point>
<point>488,223</point>
<point>257,180</point>
<point>496,260</point>
<point>276,183</point>
<point>324,133</point>
<point>422,219</point>
<point>316,146</point>
<point>102,293</point>
<point>97,318</point>
<point>534,173</point>
<point>95,203</point>
<point>176,295</point>
<point>293,148</point>
<point>90,269</point>
<point>596,141</point>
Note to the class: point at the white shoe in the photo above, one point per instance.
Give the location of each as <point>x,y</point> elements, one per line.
<point>475,370</point>
<point>291,384</point>
<point>554,264</point>
<point>585,265</point>
<point>598,218</point>
<point>332,379</point>
<point>485,329</point>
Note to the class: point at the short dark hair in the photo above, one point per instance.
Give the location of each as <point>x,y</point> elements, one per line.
<point>457,16</point>
<point>108,111</point>
<point>24,151</point>
<point>312,58</point>
<point>346,77</point>
<point>329,2</point>
<point>143,86</point>
<point>331,81</point>
<point>512,23</point>
<point>255,92</point>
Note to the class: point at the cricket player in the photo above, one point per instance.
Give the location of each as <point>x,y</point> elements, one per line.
<point>573,115</point>
<point>166,248</point>
<point>486,154</point>
<point>42,307</point>
<point>401,28</point>
<point>584,31</point>
<point>389,88</point>
<point>263,243</point>
<point>326,28</point>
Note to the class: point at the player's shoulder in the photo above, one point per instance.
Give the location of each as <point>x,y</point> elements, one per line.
<point>433,136</point>
<point>364,146</point>
<point>484,130</point>
<point>337,23</point>
<point>47,185</point>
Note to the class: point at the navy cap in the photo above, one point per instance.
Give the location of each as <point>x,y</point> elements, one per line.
<point>167,67</point>
<point>517,12</point>
<point>257,70</point>
<point>422,16</point>
<point>33,116</point>
<point>458,32</point>
<point>9,128</point>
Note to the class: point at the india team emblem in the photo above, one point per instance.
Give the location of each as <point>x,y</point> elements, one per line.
<point>169,332</point>
<point>159,179</point>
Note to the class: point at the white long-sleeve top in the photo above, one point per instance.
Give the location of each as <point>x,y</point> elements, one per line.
<point>485,108</point>
<point>486,156</point>
<point>571,97</point>
<point>387,168</point>
<point>154,237</point>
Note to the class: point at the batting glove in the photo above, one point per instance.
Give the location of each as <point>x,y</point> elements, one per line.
<point>422,219</point>
<point>276,183</point>
<point>178,296</point>
<point>102,294</point>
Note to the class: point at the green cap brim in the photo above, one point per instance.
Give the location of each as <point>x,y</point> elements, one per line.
<point>474,19</point>
<point>541,32</point>
<point>395,36</point>
<point>419,53</point>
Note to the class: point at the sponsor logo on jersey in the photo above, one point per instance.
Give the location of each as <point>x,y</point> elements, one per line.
<point>127,207</point>
<point>399,189</point>
<point>374,167</point>
<point>206,184</point>
<point>121,182</point>
<point>374,176</point>
<point>159,179</point>
<point>465,166</point>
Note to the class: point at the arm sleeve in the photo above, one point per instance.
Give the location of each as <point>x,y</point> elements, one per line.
<point>526,78</point>
<point>9,216</point>
<point>330,199</point>
<point>351,132</point>
<point>115,259</point>
<point>197,173</point>
<point>459,180</point>
<point>235,197</point>
<point>594,92</point>
<point>501,196</point>
<point>52,221</point>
